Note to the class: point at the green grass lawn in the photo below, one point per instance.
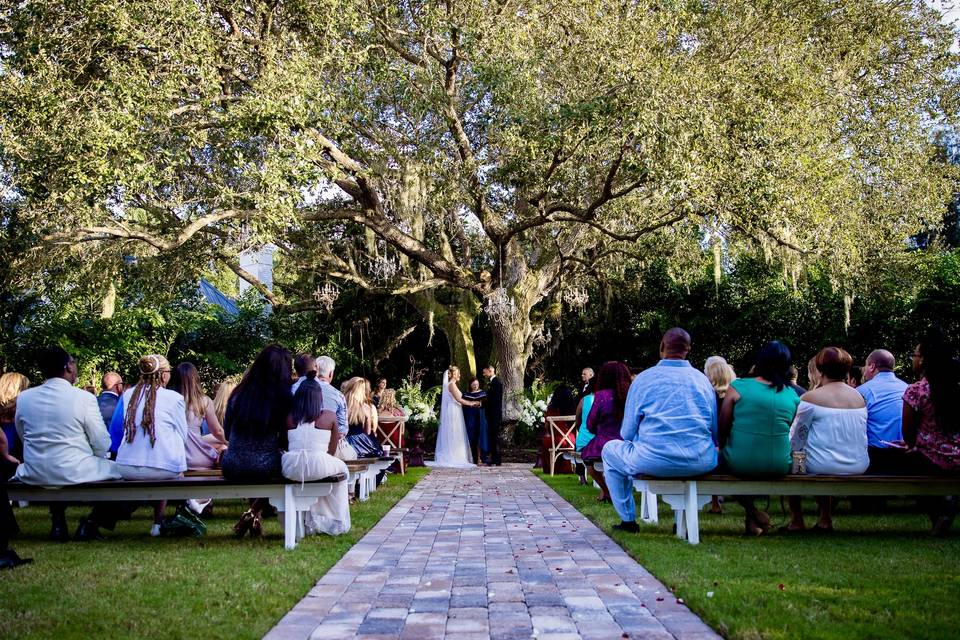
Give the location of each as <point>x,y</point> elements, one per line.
<point>132,585</point>
<point>878,576</point>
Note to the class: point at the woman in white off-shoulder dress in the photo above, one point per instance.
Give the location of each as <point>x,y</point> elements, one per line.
<point>312,445</point>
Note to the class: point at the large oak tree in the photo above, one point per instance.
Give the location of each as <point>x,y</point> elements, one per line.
<point>471,155</point>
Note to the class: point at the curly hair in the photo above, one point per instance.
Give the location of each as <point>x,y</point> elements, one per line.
<point>151,368</point>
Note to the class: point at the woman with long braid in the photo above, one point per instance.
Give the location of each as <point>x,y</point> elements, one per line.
<point>154,430</point>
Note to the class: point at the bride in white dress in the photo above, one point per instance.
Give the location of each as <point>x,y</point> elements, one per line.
<point>453,446</point>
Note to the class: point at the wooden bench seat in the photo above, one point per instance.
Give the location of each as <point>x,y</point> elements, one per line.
<point>365,471</point>
<point>291,498</point>
<point>688,495</point>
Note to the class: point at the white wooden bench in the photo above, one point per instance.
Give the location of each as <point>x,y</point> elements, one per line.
<point>293,499</point>
<point>688,495</point>
<point>364,471</point>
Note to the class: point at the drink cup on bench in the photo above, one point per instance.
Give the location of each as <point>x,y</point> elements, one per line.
<point>799,466</point>
<point>386,450</point>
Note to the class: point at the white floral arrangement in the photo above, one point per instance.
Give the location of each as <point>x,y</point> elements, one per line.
<point>532,412</point>
<point>418,405</point>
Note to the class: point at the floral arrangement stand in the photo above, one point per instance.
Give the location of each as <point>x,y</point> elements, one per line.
<point>419,405</point>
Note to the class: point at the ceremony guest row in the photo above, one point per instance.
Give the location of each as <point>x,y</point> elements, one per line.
<point>261,427</point>
<point>674,421</point>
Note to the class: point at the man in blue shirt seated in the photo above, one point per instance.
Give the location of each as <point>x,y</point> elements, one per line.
<point>883,393</point>
<point>669,427</point>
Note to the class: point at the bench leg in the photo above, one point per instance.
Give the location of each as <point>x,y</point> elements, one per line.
<point>289,518</point>
<point>692,509</point>
<point>648,506</point>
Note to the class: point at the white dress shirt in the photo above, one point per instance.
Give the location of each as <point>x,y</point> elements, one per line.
<point>64,438</point>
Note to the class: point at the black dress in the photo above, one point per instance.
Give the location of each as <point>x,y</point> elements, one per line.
<point>366,445</point>
<point>255,449</point>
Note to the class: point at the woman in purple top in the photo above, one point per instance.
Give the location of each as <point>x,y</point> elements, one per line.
<point>606,416</point>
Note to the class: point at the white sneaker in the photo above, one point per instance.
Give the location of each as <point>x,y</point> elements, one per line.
<point>197,506</point>
<point>155,531</point>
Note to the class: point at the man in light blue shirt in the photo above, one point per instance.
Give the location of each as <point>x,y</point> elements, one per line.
<point>883,393</point>
<point>332,396</point>
<point>669,427</point>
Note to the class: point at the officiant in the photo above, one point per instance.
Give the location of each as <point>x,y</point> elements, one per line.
<point>475,420</point>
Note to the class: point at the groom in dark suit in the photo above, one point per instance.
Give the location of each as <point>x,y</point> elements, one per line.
<point>493,408</point>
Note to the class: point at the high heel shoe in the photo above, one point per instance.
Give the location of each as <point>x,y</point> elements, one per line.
<point>256,527</point>
<point>245,523</point>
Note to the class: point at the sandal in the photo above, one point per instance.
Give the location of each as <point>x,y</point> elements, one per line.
<point>256,527</point>
<point>821,530</point>
<point>244,524</point>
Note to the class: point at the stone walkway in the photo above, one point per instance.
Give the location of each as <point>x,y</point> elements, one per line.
<point>487,553</point>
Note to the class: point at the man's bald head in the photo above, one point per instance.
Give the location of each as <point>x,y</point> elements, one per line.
<point>882,360</point>
<point>111,381</point>
<point>675,344</point>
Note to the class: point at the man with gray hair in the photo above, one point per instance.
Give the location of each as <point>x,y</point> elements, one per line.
<point>332,396</point>
<point>883,391</point>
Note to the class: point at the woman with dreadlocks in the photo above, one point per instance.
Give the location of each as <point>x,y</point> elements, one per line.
<point>154,430</point>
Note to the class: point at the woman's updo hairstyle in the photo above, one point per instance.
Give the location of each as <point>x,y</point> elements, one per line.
<point>834,363</point>
<point>151,369</point>
<point>452,370</point>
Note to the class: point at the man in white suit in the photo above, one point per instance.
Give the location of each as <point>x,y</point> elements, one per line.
<point>65,442</point>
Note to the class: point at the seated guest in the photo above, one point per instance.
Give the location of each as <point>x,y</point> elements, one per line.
<point>792,375</point>
<point>222,398</point>
<point>883,391</point>
<point>8,522</point>
<point>378,391</point>
<point>331,396</point>
<point>754,426</point>
<point>203,451</point>
<point>605,417</point>
<point>361,420</point>
<point>473,419</point>
<point>256,427</point>
<point>855,377</point>
<point>303,364</point>
<point>11,386</point>
<point>813,375</point>
<point>310,456</point>
<point>720,374</point>
<point>931,421</point>
<point>154,430</point>
<point>583,434</point>
<point>831,430</point>
<point>65,442</point>
<point>111,387</point>
<point>669,426</point>
<point>388,402</point>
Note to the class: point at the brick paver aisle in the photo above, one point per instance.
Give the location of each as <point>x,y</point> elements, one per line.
<point>487,553</point>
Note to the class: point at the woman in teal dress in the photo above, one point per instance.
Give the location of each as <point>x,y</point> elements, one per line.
<point>754,426</point>
<point>583,434</point>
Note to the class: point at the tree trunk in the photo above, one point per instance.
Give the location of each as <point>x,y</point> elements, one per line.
<point>455,320</point>
<point>511,356</point>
